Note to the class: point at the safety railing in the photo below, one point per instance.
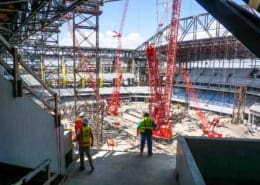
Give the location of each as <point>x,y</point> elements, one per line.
<point>45,165</point>
<point>16,78</point>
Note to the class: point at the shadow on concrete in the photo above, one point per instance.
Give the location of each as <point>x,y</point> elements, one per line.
<point>125,168</point>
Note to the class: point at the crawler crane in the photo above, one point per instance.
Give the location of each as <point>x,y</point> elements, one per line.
<point>160,102</point>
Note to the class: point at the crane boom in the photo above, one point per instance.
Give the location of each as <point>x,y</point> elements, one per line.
<point>154,82</point>
<point>161,104</point>
<point>114,99</point>
<point>191,92</point>
<point>171,56</point>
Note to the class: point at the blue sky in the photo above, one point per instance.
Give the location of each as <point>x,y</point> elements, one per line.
<point>141,15</point>
<point>140,22</point>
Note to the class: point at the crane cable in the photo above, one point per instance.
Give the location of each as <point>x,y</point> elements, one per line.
<point>114,99</point>
<point>161,20</point>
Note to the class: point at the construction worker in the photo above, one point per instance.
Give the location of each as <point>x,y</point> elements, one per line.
<point>145,127</point>
<point>85,138</point>
<point>78,122</point>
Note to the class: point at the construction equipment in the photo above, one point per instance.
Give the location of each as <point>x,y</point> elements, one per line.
<point>114,100</point>
<point>208,127</point>
<point>191,92</point>
<point>161,100</point>
<point>154,83</point>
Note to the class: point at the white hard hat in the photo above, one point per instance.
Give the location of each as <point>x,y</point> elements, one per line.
<point>82,114</point>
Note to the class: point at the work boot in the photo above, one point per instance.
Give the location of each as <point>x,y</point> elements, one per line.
<point>92,169</point>
<point>81,168</point>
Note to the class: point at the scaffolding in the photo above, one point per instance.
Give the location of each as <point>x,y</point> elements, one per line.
<point>39,43</point>
<point>33,28</point>
<point>238,115</point>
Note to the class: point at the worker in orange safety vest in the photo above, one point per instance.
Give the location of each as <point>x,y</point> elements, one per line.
<point>85,139</point>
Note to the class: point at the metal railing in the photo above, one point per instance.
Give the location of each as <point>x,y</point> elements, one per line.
<point>17,60</point>
<point>44,165</point>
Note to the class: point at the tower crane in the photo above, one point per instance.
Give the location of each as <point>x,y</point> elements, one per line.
<point>162,100</point>
<point>114,100</point>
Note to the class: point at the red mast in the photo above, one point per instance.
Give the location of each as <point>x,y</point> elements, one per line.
<point>160,104</point>
<point>114,100</point>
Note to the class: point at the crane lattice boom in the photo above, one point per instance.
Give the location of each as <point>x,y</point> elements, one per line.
<point>161,108</point>
<point>114,100</point>
<point>191,92</point>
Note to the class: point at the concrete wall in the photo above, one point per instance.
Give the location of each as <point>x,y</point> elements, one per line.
<point>187,172</point>
<point>27,132</point>
<point>233,161</point>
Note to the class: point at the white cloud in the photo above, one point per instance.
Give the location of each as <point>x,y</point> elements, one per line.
<point>132,40</point>
<point>106,39</point>
<point>129,41</point>
<point>66,41</point>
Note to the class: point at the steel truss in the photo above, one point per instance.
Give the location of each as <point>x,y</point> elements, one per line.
<point>200,38</point>
<point>202,29</point>
<point>33,26</point>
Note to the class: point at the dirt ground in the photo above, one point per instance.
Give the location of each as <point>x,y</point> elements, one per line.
<point>119,132</point>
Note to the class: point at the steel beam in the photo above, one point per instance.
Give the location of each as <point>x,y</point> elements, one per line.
<point>5,43</point>
<point>241,23</point>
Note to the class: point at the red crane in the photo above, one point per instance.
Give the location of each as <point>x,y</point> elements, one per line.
<point>207,126</point>
<point>114,100</point>
<point>191,92</point>
<point>161,102</point>
<point>154,82</point>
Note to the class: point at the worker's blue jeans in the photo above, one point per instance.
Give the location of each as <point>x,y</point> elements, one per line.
<point>147,136</point>
<point>82,151</point>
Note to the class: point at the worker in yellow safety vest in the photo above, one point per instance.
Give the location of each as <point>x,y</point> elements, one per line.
<point>145,128</point>
<point>85,139</point>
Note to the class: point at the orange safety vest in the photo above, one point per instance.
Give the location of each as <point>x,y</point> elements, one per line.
<point>84,139</point>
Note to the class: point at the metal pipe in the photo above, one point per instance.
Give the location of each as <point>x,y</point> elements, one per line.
<point>97,58</point>
<point>4,41</point>
<point>36,77</point>
<point>58,80</point>
<point>15,72</point>
<point>34,93</point>
<point>74,67</point>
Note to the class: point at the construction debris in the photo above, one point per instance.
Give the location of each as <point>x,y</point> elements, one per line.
<point>119,132</point>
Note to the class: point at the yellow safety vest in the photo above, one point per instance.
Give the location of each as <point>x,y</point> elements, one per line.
<point>84,136</point>
<point>146,125</point>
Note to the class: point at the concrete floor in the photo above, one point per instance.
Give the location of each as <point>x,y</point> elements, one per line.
<point>125,168</point>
